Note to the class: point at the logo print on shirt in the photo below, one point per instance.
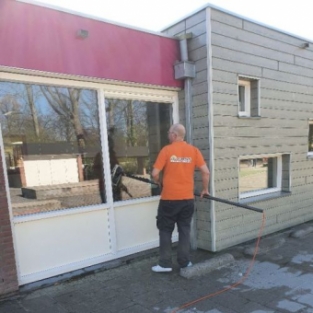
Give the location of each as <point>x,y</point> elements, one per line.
<point>175,159</point>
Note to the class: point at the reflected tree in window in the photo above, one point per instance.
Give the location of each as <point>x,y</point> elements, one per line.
<point>140,131</point>
<point>65,104</point>
<point>51,136</point>
<point>53,149</point>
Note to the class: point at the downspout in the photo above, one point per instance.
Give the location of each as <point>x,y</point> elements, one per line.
<point>186,70</point>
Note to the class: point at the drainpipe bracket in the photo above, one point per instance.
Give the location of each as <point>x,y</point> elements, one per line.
<point>184,36</point>
<point>185,69</point>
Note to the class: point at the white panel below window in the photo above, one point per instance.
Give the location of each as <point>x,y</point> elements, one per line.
<point>52,246</point>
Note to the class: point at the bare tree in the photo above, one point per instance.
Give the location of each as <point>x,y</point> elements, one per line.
<point>65,103</point>
<point>32,107</point>
<point>8,107</point>
<point>18,104</point>
<point>129,117</point>
<point>9,104</point>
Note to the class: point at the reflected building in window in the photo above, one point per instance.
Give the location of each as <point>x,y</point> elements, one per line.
<point>53,149</point>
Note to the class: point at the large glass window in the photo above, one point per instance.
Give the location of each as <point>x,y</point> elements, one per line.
<point>137,131</point>
<point>50,135</point>
<point>264,175</point>
<point>53,151</point>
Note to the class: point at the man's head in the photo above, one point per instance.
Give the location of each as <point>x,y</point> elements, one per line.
<point>176,133</point>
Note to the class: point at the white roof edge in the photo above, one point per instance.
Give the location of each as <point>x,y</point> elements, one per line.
<point>18,70</point>
<point>56,8</point>
<point>212,6</point>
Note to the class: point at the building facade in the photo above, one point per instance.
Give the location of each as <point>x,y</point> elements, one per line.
<point>79,95</point>
<point>252,113</point>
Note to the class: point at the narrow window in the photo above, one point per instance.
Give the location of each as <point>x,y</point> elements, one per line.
<point>310,138</point>
<point>244,98</point>
<point>248,97</point>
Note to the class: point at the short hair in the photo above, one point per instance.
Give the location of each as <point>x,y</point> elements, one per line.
<point>179,130</point>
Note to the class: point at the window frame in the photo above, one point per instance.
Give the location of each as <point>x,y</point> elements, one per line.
<point>247,97</point>
<point>267,191</point>
<point>310,131</point>
<point>104,89</point>
<point>252,96</point>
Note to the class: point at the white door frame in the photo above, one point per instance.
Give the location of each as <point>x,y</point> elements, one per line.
<point>25,229</point>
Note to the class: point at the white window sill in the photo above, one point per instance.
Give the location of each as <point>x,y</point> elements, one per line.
<point>310,155</point>
<point>249,117</point>
<point>263,197</point>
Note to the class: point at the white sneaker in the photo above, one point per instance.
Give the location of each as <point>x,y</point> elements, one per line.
<point>160,269</point>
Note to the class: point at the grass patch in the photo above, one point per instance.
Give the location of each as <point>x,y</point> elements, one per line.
<point>249,172</point>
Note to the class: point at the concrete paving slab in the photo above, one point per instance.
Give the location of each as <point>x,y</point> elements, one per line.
<point>230,300</point>
<point>255,307</point>
<point>151,298</point>
<point>118,304</point>
<point>11,307</point>
<point>135,309</point>
<point>206,306</point>
<point>205,267</point>
<point>301,231</point>
<point>43,304</point>
<point>74,301</point>
<point>287,306</point>
<point>265,245</point>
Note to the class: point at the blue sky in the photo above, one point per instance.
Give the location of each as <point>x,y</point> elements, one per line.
<point>294,17</point>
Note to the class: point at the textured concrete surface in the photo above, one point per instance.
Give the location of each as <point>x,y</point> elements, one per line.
<point>207,266</point>
<point>281,281</point>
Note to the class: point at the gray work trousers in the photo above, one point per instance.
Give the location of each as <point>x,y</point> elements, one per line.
<point>171,212</point>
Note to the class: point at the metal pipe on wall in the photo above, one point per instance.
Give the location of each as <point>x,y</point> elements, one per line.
<point>188,110</point>
<point>186,70</point>
<point>187,87</point>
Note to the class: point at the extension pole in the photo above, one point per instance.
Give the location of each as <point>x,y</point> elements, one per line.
<point>248,207</point>
<point>197,194</point>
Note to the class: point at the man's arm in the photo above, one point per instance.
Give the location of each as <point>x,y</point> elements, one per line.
<point>158,166</point>
<point>205,173</point>
<point>156,175</point>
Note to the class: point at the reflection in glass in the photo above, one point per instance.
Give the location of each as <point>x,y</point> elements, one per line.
<point>53,151</point>
<point>257,174</point>
<point>137,132</point>
<point>51,136</point>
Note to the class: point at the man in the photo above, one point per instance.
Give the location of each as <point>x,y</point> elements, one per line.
<point>177,161</point>
<point>98,170</point>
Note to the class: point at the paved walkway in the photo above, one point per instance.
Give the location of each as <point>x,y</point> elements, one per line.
<point>280,281</point>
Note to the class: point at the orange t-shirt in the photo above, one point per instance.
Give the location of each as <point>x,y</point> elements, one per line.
<point>178,162</point>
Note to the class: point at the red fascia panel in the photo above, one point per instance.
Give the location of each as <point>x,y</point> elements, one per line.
<point>39,38</point>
